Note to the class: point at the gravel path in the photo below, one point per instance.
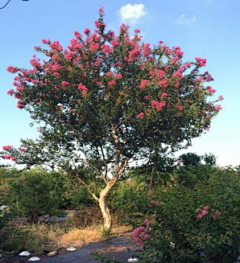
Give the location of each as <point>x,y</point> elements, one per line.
<point>113,247</point>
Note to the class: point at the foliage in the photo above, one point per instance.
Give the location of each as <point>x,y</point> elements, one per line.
<point>193,225</point>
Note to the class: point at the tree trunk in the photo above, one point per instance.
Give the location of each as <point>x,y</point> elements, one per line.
<point>151,178</point>
<point>144,184</point>
<point>107,218</point>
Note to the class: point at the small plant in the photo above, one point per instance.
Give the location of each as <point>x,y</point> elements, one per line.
<point>100,257</point>
<point>105,233</point>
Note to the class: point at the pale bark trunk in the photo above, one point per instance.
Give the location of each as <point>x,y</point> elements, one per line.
<point>107,218</point>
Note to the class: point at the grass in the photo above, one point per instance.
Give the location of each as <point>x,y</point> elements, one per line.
<point>82,237</point>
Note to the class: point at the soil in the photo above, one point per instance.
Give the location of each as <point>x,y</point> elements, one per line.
<point>112,247</point>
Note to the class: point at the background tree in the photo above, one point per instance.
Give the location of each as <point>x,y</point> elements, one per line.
<point>190,159</point>
<point>210,159</point>
<point>108,100</point>
<point>156,171</point>
<point>192,170</point>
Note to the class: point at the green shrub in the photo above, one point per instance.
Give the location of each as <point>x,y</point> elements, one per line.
<point>8,236</point>
<point>34,195</point>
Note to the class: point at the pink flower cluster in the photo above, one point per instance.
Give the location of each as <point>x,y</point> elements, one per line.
<point>65,83</point>
<point>7,147</point>
<point>158,105</point>
<point>210,90</point>
<point>201,61</point>
<point>202,212</point>
<point>141,115</point>
<point>164,94</point>
<point>10,92</point>
<point>218,107</point>
<point>144,83</point>
<point>154,202</point>
<point>12,69</point>
<point>141,233</point>
<point>133,54</point>
<point>22,150</point>
<point>83,88</point>
<point>7,157</point>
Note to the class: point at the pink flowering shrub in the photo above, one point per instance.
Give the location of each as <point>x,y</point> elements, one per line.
<point>211,212</point>
<point>185,223</point>
<point>140,234</point>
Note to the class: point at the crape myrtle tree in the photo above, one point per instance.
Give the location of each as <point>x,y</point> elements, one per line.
<point>107,100</point>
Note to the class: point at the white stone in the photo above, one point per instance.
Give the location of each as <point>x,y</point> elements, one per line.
<point>2,207</point>
<point>172,244</point>
<point>25,254</point>
<point>71,249</point>
<point>52,253</point>
<point>132,260</point>
<point>34,259</point>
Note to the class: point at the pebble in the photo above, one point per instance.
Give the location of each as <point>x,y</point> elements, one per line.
<point>34,259</point>
<point>52,253</point>
<point>71,249</point>
<point>132,260</point>
<point>25,254</point>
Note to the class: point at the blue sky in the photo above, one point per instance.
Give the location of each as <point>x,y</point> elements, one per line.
<point>202,28</point>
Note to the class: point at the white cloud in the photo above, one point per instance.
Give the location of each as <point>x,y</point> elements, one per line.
<point>132,13</point>
<point>186,21</point>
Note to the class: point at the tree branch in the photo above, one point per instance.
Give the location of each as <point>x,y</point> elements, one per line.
<point>104,176</point>
<point>88,188</point>
<point>87,163</point>
<point>124,165</point>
